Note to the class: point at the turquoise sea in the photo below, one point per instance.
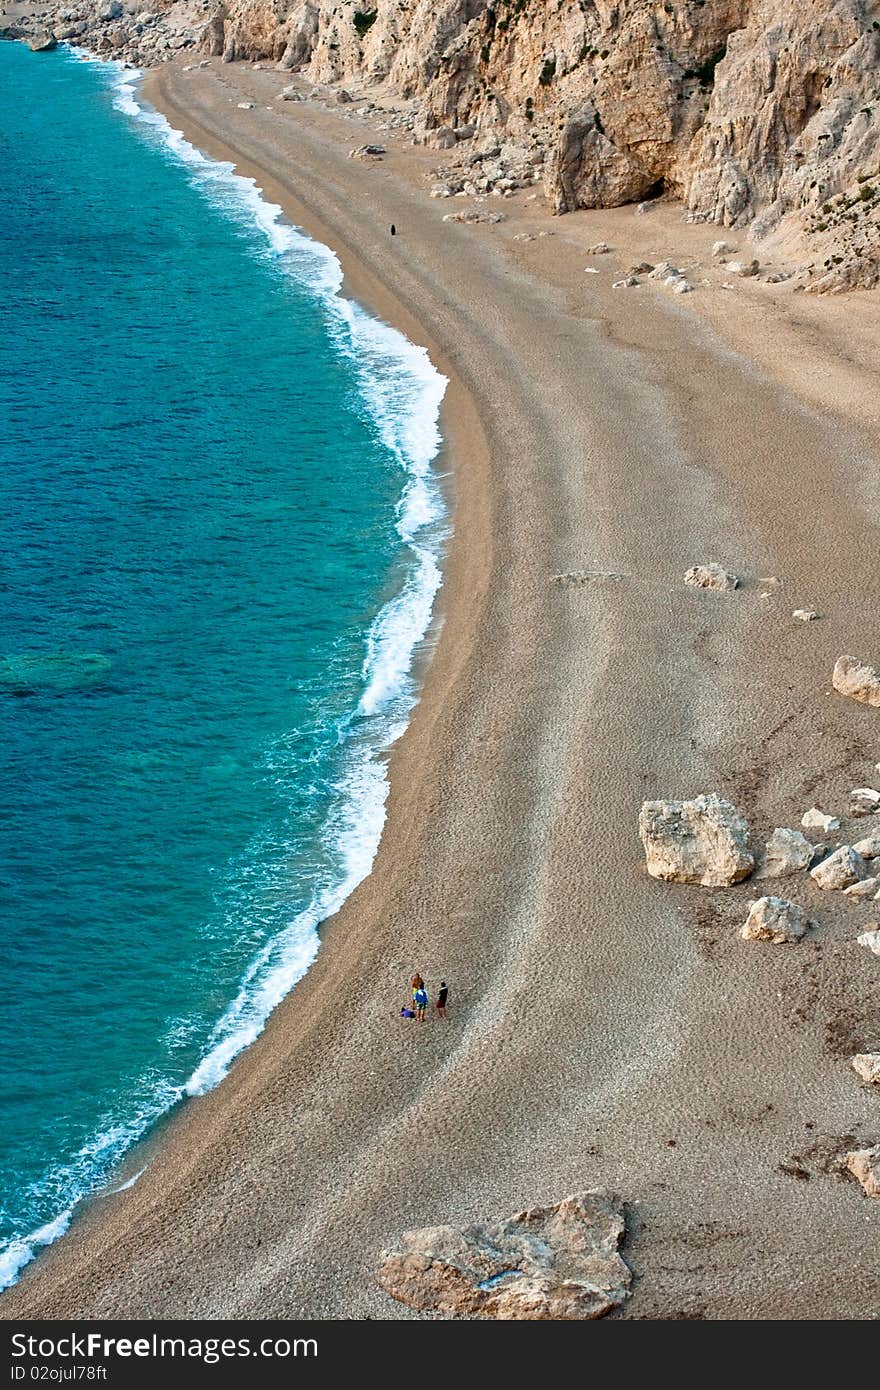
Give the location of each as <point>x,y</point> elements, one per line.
<point>220,534</point>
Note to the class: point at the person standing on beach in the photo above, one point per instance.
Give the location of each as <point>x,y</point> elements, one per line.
<point>420,999</point>
<point>442,996</point>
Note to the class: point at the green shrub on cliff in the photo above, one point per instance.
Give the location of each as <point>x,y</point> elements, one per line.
<point>364,20</point>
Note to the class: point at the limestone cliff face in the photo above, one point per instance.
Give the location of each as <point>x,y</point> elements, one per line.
<point>752,112</point>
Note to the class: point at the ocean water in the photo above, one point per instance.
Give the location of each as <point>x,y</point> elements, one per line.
<point>220,534</point>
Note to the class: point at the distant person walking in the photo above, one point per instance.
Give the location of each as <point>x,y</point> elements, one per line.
<point>393,230</point>
<point>442,997</point>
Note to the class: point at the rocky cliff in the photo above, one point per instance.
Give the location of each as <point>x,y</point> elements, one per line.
<point>758,113</point>
<point>761,112</point>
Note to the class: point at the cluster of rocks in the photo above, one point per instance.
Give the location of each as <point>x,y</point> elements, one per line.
<point>474,215</point>
<point>668,274</point>
<point>488,169</point>
<point>370,154</point>
<point>559,1262</point>
<point>707,841</point>
<point>140,33</point>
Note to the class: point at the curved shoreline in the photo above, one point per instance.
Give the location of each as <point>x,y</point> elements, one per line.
<point>464,575</point>
<point>604,1030</point>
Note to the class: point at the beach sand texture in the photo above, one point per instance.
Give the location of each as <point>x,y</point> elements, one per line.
<point>604,1029</point>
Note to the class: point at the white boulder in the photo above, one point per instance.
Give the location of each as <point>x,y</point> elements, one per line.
<point>775,919</point>
<point>840,869</point>
<point>805,615</point>
<point>869,848</point>
<point>701,841</point>
<point>871,938</point>
<point>814,819</point>
<point>864,1164</point>
<point>857,680</point>
<point>867,1064</point>
<point>785,853</point>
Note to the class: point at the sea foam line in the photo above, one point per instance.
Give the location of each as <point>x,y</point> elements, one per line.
<point>402,391</point>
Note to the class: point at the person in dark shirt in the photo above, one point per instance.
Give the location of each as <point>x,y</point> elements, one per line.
<point>442,996</point>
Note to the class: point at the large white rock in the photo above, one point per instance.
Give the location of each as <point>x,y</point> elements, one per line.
<point>840,869</point>
<point>547,1264</point>
<point>857,680</point>
<point>871,938</point>
<point>869,848</point>
<point>864,1164</point>
<point>867,1064</point>
<point>701,841</point>
<point>775,919</point>
<point>814,819</point>
<point>711,576</point>
<point>785,853</point>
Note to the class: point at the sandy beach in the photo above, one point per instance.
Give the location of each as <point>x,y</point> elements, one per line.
<point>605,1030</point>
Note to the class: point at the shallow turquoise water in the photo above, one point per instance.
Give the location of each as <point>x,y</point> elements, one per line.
<point>219,530</point>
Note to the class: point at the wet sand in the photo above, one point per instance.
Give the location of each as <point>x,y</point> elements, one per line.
<point>604,1029</point>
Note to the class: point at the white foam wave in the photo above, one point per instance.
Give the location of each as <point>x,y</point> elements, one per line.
<point>22,1249</point>
<point>402,392</point>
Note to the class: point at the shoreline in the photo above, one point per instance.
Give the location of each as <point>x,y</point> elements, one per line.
<point>592,1020</point>
<point>134,1162</point>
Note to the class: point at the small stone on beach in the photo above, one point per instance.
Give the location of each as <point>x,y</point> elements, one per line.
<point>711,576</point>
<point>814,819</point>
<point>785,853</point>
<point>867,1064</point>
<point>871,938</point>
<point>775,919</point>
<point>857,680</point>
<point>841,869</point>
<point>864,1164</point>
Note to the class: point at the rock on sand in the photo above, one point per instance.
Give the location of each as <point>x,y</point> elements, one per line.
<point>785,853</point>
<point>814,819</point>
<point>775,919</point>
<point>871,938</point>
<point>857,680</point>
<point>864,1164</point>
<point>867,1064</point>
<point>557,1262</point>
<point>840,869</point>
<point>711,576</point>
<point>701,841</point>
<point>869,848</point>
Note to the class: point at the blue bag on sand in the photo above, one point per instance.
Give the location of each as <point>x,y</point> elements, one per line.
<point>407,1013</point>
